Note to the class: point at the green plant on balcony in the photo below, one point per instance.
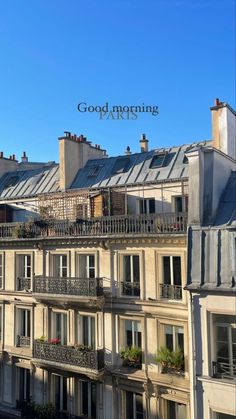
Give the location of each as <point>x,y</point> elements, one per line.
<point>131,356</point>
<point>81,347</point>
<point>24,231</point>
<point>171,361</point>
<point>42,339</point>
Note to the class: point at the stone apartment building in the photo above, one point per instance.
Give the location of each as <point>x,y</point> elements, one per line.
<point>212,272</point>
<point>93,271</point>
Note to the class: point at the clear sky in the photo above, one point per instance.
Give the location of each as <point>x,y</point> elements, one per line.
<point>176,54</point>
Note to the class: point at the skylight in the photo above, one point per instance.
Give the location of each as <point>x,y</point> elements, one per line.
<point>121,165</point>
<point>94,170</point>
<point>12,181</point>
<point>157,161</point>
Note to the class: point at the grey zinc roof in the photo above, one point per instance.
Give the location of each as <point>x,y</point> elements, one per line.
<point>27,182</point>
<point>138,168</point>
<point>226,213</point>
<point>24,183</point>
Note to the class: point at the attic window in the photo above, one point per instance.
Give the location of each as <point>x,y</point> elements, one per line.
<point>36,179</point>
<point>12,181</point>
<point>121,165</point>
<point>94,170</point>
<point>185,160</point>
<point>157,161</point>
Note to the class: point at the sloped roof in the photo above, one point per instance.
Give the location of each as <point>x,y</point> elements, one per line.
<point>155,165</point>
<point>25,183</point>
<point>137,169</point>
<point>226,213</point>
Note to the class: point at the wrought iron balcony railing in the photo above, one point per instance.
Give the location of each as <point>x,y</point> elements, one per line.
<point>100,226</point>
<point>130,289</point>
<point>23,341</point>
<point>23,284</point>
<point>87,287</point>
<point>223,370</point>
<point>84,358</point>
<point>171,292</point>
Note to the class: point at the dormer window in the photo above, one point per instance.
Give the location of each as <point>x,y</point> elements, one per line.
<point>95,170</point>
<point>158,160</point>
<point>121,165</point>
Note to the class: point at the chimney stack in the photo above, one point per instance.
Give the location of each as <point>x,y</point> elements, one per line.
<point>127,151</point>
<point>74,152</point>
<point>143,143</point>
<point>24,158</point>
<point>224,128</point>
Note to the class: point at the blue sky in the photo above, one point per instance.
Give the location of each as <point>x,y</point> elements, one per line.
<point>177,54</point>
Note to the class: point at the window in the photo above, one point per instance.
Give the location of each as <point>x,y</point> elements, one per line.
<point>95,170</point>
<point>1,270</point>
<point>87,324</point>
<point>87,266</point>
<point>24,266</point>
<point>24,384</point>
<point>134,405</point>
<point>23,327</point>
<point>133,333</point>
<point>59,392</point>
<point>225,338</point>
<point>171,280</point>
<point>176,410</point>
<point>88,397</point>
<point>131,275</point>
<point>174,337</point>
<point>1,322</point>
<point>59,327</point>
<point>147,206</point>
<point>121,165</point>
<point>157,161</point>
<point>181,203</point>
<point>223,416</point>
<point>60,266</point>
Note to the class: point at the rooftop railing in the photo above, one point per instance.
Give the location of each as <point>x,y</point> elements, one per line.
<point>88,287</point>
<point>166,223</point>
<point>86,358</point>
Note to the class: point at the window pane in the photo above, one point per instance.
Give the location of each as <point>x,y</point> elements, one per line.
<point>180,338</point>
<point>129,405</point>
<point>139,405</point>
<point>222,352</point>
<point>136,268</point>
<point>166,270</point>
<point>84,398</point>
<point>222,333</point>
<point>64,405</point>
<point>233,331</point>
<point>151,206</point>
<point>169,337</point>
<point>93,400</point>
<point>177,270</point>
<point>126,269</point>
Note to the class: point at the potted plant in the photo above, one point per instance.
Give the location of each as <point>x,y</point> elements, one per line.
<point>55,341</point>
<point>171,361</point>
<point>132,356</point>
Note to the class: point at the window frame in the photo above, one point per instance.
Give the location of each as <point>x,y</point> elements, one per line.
<point>63,337</point>
<point>2,269</point>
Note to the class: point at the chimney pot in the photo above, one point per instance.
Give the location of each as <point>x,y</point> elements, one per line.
<point>1,154</point>
<point>217,101</point>
<point>127,151</point>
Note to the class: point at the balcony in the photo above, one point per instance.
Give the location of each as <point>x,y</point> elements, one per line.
<point>68,357</point>
<point>166,223</point>
<point>170,292</point>
<point>23,284</point>
<point>23,341</point>
<point>223,370</point>
<point>70,290</point>
<point>131,289</point>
